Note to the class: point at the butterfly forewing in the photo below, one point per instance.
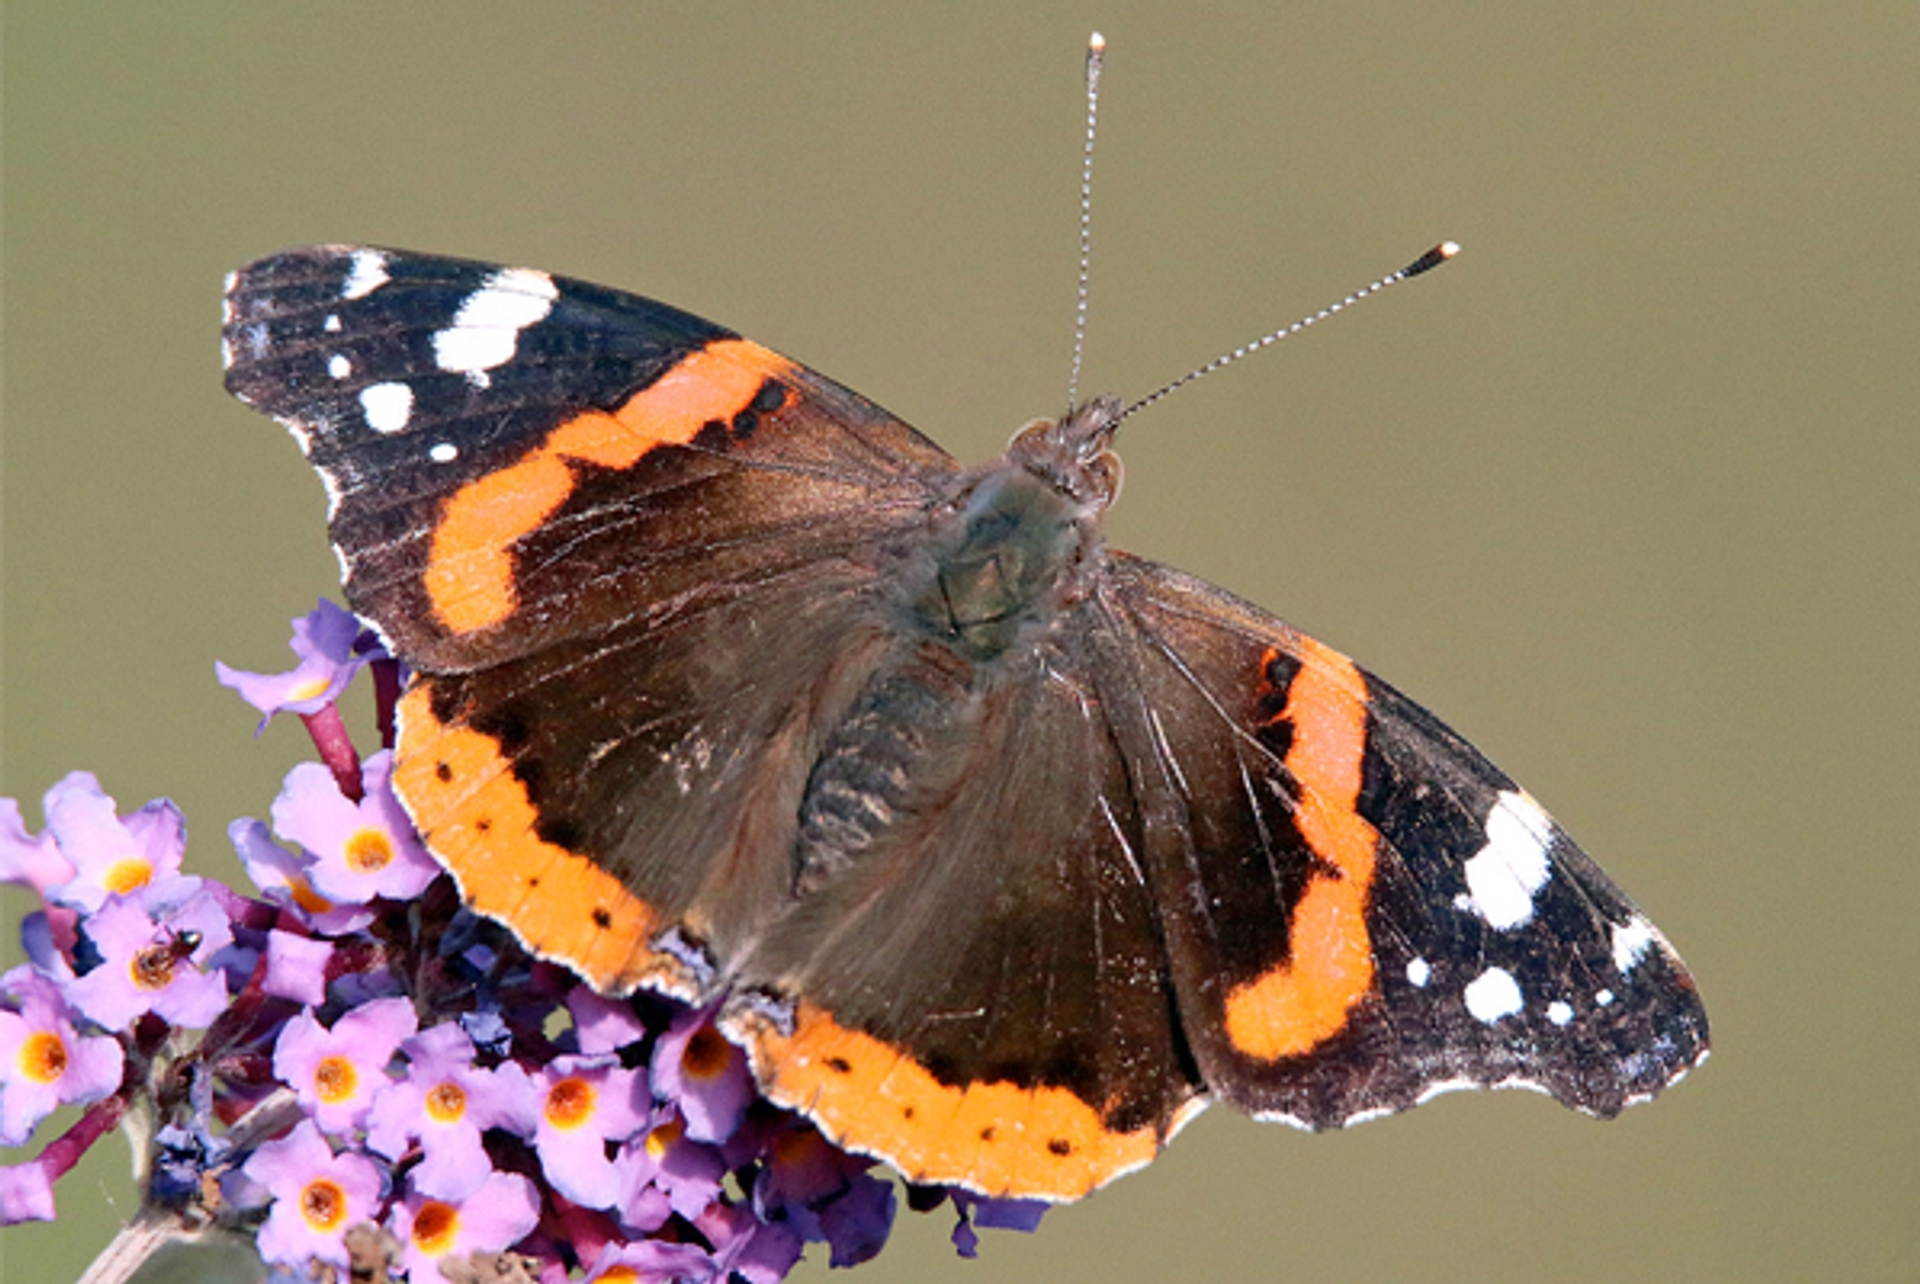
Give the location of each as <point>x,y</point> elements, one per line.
<point>516,458</point>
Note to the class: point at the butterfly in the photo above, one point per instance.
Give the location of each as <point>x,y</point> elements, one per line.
<point>1000,851</point>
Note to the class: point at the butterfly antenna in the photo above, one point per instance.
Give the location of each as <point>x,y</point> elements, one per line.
<point>1096,55</point>
<point>1432,259</point>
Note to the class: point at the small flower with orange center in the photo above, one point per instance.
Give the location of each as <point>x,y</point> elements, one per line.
<point>445,1103</point>
<point>501,1211</point>
<point>284,878</point>
<point>44,1061</point>
<point>664,1170</point>
<point>336,1072</point>
<point>360,849</point>
<point>110,855</point>
<point>316,1196</point>
<point>586,1101</point>
<point>698,1070</point>
<point>324,640</point>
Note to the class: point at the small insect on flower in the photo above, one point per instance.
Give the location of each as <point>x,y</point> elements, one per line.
<point>155,962</point>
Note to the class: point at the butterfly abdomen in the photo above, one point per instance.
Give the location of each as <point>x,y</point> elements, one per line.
<point>889,763</point>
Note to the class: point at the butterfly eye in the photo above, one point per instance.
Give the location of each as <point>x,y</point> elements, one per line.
<point>1104,475</point>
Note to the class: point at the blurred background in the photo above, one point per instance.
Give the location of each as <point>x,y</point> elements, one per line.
<point>1629,494</point>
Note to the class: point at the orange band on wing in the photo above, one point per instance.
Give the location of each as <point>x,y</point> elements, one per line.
<point>994,1138</point>
<point>476,819</point>
<point>1288,1010</point>
<point>469,576</point>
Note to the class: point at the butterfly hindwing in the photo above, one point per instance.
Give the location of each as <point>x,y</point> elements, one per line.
<point>1372,912</point>
<point>983,997</point>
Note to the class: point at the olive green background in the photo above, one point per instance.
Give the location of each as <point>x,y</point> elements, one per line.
<point>1628,493</point>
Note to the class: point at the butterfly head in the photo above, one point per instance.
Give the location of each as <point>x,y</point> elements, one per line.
<point>1074,454</point>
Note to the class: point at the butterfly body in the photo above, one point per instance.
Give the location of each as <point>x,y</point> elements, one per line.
<point>1000,851</point>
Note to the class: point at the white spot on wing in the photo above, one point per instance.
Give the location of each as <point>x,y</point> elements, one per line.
<point>366,273</point>
<point>486,329</point>
<point>443,452</point>
<point>1419,972</point>
<point>1492,995</point>
<point>1559,1012</point>
<point>332,325</point>
<point>1604,998</point>
<point>1631,941</point>
<point>338,366</point>
<point>387,406</point>
<point>1503,876</point>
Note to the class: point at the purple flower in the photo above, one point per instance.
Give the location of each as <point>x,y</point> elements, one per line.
<point>148,965</point>
<point>323,639</point>
<point>296,967</point>
<point>445,1102</point>
<point>496,1215</point>
<point>282,877</point>
<point>44,1063</point>
<point>335,1072</point>
<point>707,1077</point>
<point>652,1261</point>
<point>993,1214</point>
<point>601,1024</point>
<point>316,1195</point>
<point>361,850</point>
<point>856,1222</point>
<point>109,855</point>
<point>26,1193</point>
<point>30,860</point>
<point>585,1102</point>
<point>823,1193</point>
<point>759,1252</point>
<point>687,1172</point>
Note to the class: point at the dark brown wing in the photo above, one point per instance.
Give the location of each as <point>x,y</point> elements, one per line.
<point>1361,910</point>
<point>516,459</point>
<point>983,999</point>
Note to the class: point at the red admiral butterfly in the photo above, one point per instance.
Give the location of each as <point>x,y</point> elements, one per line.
<point>999,850</point>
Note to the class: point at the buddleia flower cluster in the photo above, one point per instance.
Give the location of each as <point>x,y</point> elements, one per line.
<point>344,1062</point>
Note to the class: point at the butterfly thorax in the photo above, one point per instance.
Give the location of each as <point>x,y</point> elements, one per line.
<point>1014,542</point>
